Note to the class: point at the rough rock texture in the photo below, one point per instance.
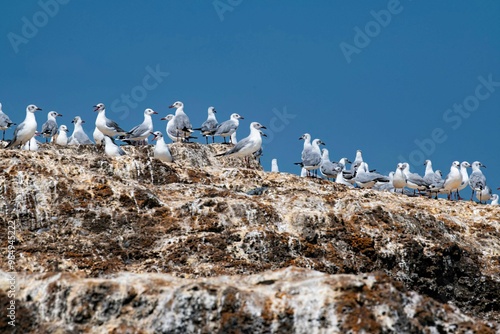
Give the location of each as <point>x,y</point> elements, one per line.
<point>132,243</point>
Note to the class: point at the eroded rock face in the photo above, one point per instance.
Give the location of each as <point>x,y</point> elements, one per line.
<point>87,216</point>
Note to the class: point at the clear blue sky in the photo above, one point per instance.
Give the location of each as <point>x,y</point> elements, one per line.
<point>378,76</point>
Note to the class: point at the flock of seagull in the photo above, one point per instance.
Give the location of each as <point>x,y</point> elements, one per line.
<point>179,129</point>
<point>360,175</point>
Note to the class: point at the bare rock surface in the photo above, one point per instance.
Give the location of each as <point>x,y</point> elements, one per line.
<point>132,243</point>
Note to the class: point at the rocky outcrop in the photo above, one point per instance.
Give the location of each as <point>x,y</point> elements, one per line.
<point>96,236</point>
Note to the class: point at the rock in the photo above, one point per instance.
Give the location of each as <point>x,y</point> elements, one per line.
<point>102,243</point>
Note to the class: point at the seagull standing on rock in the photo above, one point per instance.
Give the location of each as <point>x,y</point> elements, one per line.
<point>111,149</point>
<point>327,168</point>
<point>182,125</point>
<point>79,137</point>
<point>452,180</point>
<point>227,128</point>
<point>477,181</point>
<point>26,130</point>
<point>247,146</point>
<point>62,136</point>
<point>161,151</point>
<point>311,153</point>
<point>5,122</point>
<point>209,127</point>
<point>49,128</point>
<point>141,131</point>
<point>105,125</point>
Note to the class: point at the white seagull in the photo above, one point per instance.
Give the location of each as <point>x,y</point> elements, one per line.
<point>274,166</point>
<point>477,180</point>
<point>161,151</point>
<point>26,130</point>
<point>62,136</point>
<point>141,131</point>
<point>105,125</point>
<point>182,125</point>
<point>227,128</point>
<point>111,149</point>
<point>5,122</point>
<point>79,137</point>
<point>209,127</point>
<point>49,128</point>
<point>247,146</point>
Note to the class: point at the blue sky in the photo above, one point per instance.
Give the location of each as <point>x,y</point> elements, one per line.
<point>386,77</point>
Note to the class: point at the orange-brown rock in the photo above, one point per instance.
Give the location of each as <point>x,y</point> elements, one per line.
<point>134,244</point>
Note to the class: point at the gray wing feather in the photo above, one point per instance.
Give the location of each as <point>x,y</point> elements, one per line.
<point>49,128</point>
<point>82,138</point>
<point>226,128</point>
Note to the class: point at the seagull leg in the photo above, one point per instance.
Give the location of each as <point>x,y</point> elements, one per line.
<point>3,137</point>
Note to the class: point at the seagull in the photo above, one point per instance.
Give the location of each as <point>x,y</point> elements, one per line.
<point>477,181</point>
<point>484,195</point>
<point>327,168</point>
<point>366,179</point>
<point>209,127</point>
<point>98,137</point>
<point>105,125</point>
<point>182,125</point>
<point>432,178</point>
<point>141,131</point>
<point>161,151</point>
<point>311,153</point>
<point>452,180</point>
<point>26,130</point>
<point>274,166</point>
<point>413,180</point>
<point>247,146</point>
<point>170,128</point>
<point>465,178</point>
<point>399,178</point>
<point>340,176</point>
<point>32,144</point>
<point>62,136</point>
<point>111,149</point>
<point>5,122</point>
<point>494,199</point>
<point>49,128</point>
<point>358,159</point>
<point>227,128</point>
<point>79,137</point>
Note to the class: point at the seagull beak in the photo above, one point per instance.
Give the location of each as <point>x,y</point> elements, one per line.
<point>483,166</point>
<point>83,121</point>
<point>38,108</point>
<point>73,121</point>
<point>263,134</point>
<point>154,112</point>
<point>96,108</point>
<point>152,133</point>
<point>59,115</point>
<point>172,106</point>
<point>322,143</point>
<point>301,138</point>
<point>241,117</point>
<point>263,127</point>
<point>163,119</point>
